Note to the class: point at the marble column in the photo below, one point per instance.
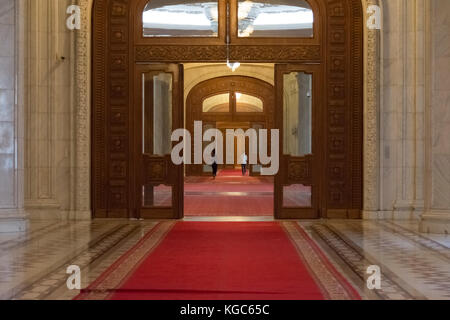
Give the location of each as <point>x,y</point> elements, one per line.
<point>409,201</point>
<point>51,138</point>
<point>402,110</point>
<point>11,117</point>
<point>436,218</point>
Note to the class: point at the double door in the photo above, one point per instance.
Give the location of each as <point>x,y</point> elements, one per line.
<point>160,110</point>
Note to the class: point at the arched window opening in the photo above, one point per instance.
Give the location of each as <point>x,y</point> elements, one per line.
<point>219,103</point>
<point>255,19</point>
<point>279,18</point>
<point>180,18</point>
<point>247,103</point>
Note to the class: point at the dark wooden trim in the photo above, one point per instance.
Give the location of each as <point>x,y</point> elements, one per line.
<point>217,53</point>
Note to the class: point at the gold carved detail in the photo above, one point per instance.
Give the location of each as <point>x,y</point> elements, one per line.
<point>241,53</point>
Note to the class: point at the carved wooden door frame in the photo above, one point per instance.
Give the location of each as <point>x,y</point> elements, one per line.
<point>117,46</point>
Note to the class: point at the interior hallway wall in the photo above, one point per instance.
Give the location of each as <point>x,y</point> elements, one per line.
<point>7,104</point>
<point>401,114</point>
<point>11,117</point>
<point>49,136</point>
<point>414,119</point>
<point>437,183</point>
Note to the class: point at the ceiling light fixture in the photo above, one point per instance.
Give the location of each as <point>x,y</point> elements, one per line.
<point>235,65</point>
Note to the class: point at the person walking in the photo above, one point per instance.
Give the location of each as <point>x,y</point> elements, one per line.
<point>244,164</point>
<point>214,164</point>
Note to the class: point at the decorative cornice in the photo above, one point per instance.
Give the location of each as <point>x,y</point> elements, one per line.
<point>83,111</point>
<point>146,53</point>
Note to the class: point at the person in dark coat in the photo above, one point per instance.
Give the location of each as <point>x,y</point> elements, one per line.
<point>214,164</point>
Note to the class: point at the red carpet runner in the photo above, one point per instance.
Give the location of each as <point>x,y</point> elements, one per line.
<point>230,194</point>
<point>216,260</point>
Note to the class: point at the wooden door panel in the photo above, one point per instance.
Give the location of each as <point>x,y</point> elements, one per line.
<point>297,184</point>
<point>158,111</point>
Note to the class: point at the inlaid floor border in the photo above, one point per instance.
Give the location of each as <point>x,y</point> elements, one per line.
<point>19,287</point>
<point>351,254</point>
<point>33,235</point>
<point>333,285</point>
<point>26,267</point>
<point>119,271</point>
<point>96,249</point>
<point>427,243</point>
<point>391,244</point>
<point>351,246</point>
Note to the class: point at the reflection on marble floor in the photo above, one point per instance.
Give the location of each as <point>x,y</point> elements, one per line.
<point>414,266</point>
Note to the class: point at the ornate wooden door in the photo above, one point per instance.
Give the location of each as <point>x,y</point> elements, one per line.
<point>158,112</point>
<point>120,43</point>
<point>298,100</point>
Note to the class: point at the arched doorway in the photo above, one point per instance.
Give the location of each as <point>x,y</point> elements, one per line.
<point>230,102</point>
<point>331,53</point>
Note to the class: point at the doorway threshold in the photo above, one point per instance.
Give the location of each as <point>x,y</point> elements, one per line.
<point>228,219</point>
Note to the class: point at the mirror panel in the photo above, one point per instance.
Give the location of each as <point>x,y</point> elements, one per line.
<point>297,114</point>
<point>157,196</point>
<point>280,19</point>
<point>219,103</point>
<point>176,18</point>
<point>297,196</point>
<point>247,103</point>
<point>157,113</point>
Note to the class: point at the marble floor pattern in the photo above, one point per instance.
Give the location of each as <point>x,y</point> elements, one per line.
<point>413,265</point>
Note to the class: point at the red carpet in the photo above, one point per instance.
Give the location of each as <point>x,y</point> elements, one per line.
<point>231,173</point>
<point>216,260</point>
<point>223,205</point>
<point>230,194</point>
<point>208,187</point>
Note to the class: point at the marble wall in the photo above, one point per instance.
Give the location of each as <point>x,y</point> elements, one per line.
<point>401,114</point>
<point>40,147</point>
<point>7,105</point>
<point>437,214</point>
<point>414,113</point>
<point>50,111</point>
<point>441,103</point>
<point>12,99</point>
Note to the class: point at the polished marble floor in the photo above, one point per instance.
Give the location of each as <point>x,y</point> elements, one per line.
<point>414,266</point>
